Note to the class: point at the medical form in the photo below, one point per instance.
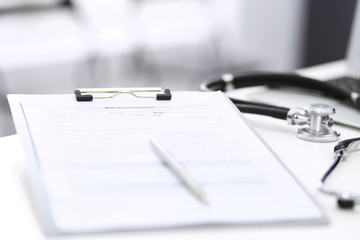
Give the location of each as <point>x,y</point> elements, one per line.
<point>96,171</point>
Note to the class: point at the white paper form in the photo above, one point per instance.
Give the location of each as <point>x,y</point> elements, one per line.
<point>100,172</point>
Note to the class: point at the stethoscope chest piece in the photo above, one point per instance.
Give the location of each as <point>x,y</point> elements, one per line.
<point>319,125</point>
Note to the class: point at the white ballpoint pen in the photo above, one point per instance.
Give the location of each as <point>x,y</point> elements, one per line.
<point>179,171</point>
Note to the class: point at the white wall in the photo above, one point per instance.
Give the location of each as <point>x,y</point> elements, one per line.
<point>273,31</point>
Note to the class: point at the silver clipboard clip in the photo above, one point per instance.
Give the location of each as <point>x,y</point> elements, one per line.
<point>89,94</point>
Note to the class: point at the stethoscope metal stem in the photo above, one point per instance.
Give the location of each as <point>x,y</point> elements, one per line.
<point>319,124</point>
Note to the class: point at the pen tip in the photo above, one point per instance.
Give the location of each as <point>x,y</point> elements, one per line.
<point>205,200</point>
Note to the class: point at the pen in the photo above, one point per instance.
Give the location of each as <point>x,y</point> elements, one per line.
<point>179,171</point>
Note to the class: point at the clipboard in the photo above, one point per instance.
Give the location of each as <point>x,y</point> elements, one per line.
<point>245,183</point>
<point>87,94</point>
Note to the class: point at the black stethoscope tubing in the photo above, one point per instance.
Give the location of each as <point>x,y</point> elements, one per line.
<point>262,109</point>
<point>243,80</point>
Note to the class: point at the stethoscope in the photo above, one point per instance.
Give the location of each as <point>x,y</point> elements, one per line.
<point>315,116</point>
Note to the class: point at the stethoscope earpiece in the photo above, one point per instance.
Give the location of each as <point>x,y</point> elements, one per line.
<point>345,203</point>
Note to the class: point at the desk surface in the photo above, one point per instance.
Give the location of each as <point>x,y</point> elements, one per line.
<point>306,160</point>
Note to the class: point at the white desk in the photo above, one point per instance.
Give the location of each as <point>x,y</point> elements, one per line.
<point>306,160</point>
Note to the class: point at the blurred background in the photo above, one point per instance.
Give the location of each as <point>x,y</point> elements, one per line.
<point>55,46</point>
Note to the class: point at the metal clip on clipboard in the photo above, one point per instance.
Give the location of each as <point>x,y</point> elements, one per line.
<point>87,94</point>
